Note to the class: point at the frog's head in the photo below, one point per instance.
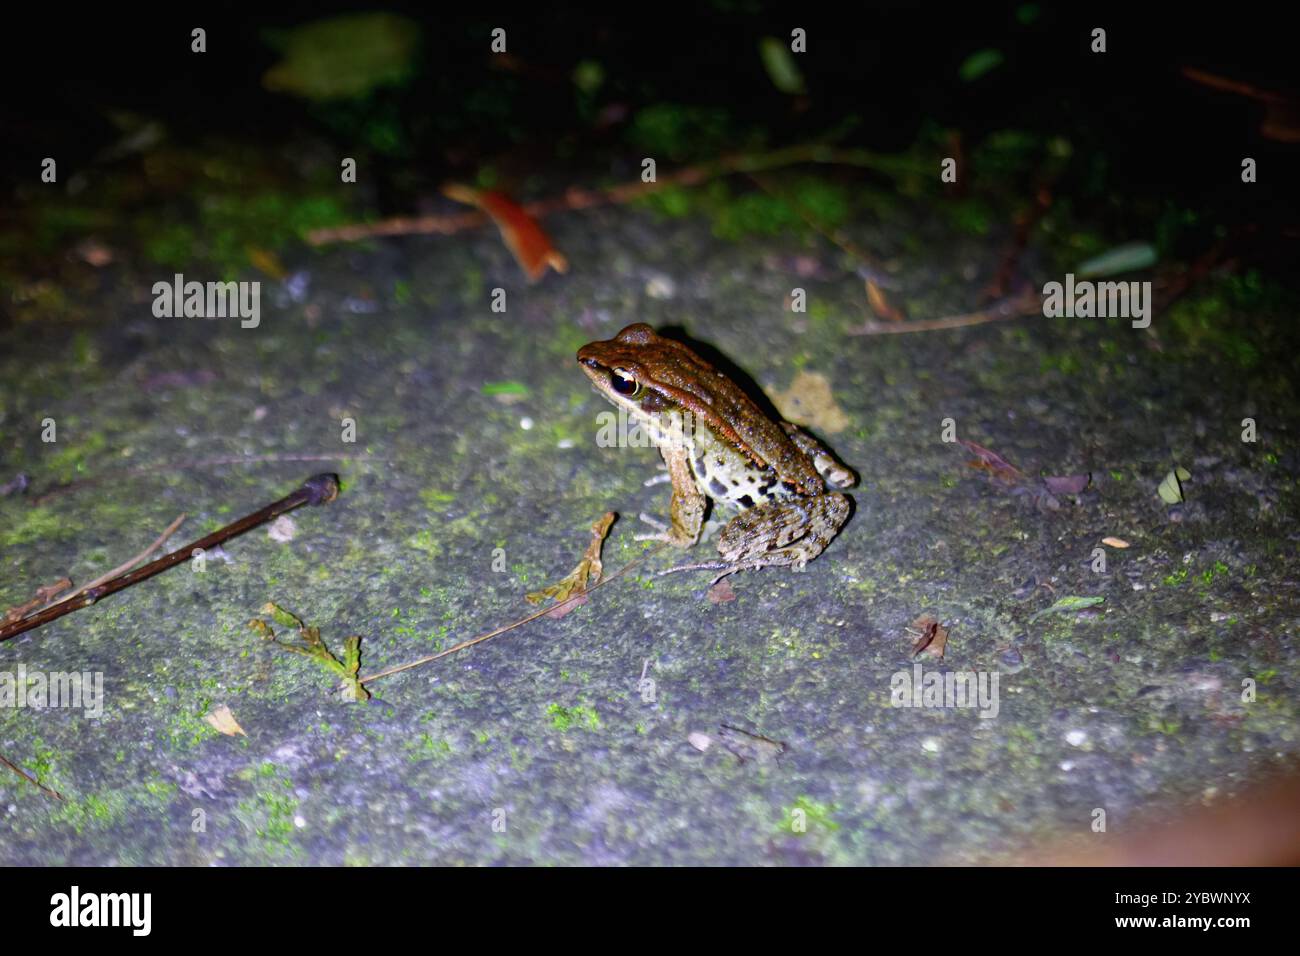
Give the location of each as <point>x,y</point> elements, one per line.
<point>621,369</point>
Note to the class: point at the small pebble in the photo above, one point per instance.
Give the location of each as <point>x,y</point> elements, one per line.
<point>699,741</point>
<point>661,287</point>
<point>930,745</point>
<point>526,423</point>
<point>1076,738</point>
<point>282,529</point>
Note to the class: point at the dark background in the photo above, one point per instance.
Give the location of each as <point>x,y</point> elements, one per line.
<point>877,75</point>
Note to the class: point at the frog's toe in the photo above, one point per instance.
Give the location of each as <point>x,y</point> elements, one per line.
<point>661,533</point>
<point>653,522</point>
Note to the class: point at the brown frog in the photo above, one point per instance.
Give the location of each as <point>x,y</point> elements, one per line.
<point>718,444</point>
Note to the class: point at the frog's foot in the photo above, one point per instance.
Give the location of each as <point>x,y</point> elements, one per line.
<point>784,533</point>
<point>674,536</point>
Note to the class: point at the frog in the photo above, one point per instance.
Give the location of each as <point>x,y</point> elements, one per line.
<point>719,446</point>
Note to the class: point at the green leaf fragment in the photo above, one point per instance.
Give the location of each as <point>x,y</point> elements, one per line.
<point>979,63</point>
<point>504,388</point>
<point>344,57</point>
<point>1171,488</point>
<point>780,65</point>
<point>314,647</point>
<point>1130,257</point>
<point>1067,604</point>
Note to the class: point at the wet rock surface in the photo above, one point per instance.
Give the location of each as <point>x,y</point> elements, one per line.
<point>546,744</point>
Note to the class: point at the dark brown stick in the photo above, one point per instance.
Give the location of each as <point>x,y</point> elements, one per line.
<point>317,490</point>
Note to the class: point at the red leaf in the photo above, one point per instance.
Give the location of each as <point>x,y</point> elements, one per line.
<point>524,238</point>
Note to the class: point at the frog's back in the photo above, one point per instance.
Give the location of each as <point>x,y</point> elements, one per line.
<point>681,376</point>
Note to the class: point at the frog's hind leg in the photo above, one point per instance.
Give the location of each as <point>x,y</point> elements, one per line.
<point>832,472</point>
<point>788,532</point>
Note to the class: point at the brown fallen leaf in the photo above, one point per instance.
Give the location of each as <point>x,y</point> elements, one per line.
<point>722,592</point>
<point>988,459</point>
<point>588,569</point>
<point>1067,484</point>
<point>1115,542</point>
<point>525,239</point>
<point>1281,112</point>
<point>880,305</point>
<point>267,262</point>
<point>572,604</point>
<point>933,636</point>
<point>223,720</point>
<point>810,401</point>
<point>747,746</point>
<point>92,251</point>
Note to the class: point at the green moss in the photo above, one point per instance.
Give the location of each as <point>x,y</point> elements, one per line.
<point>435,498</point>
<point>679,132</point>
<point>93,811</point>
<point>806,815</point>
<point>427,747</point>
<point>35,524</point>
<point>581,715</point>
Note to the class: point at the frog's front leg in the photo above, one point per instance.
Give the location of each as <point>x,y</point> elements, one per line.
<point>787,532</point>
<point>688,505</point>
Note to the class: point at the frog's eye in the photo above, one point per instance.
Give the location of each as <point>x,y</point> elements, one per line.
<point>623,383</point>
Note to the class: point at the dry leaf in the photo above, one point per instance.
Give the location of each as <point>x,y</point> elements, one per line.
<point>880,305</point>
<point>810,401</point>
<point>94,252</point>
<point>589,568</point>
<point>747,746</point>
<point>267,262</point>
<point>933,636</point>
<point>1067,484</point>
<point>1115,542</point>
<point>722,592</point>
<point>992,461</point>
<point>223,720</point>
<point>699,741</point>
<point>525,239</point>
<point>572,604</point>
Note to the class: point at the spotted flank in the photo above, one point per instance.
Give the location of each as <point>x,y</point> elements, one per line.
<point>728,477</point>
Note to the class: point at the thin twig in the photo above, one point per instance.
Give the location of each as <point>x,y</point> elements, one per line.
<point>128,565</point>
<point>35,783</point>
<point>1027,303</point>
<point>577,198</point>
<point>510,627</point>
<point>57,490</point>
<point>835,236</point>
<point>317,490</point>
